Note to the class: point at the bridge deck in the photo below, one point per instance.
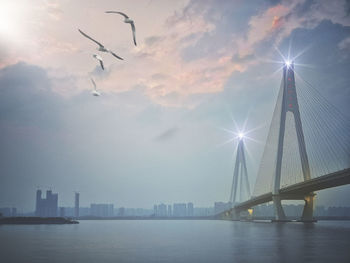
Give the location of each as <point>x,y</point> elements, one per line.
<point>300,189</point>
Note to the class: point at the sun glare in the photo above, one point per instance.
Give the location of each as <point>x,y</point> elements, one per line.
<point>10,20</point>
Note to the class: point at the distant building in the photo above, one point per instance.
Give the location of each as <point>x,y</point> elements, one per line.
<point>162,210</point>
<point>84,211</point>
<point>62,213</point>
<point>143,212</point>
<point>263,210</point>
<point>203,211</point>
<point>133,211</point>
<point>69,211</point>
<point>121,211</point>
<point>8,211</point>
<point>102,210</point>
<point>170,213</point>
<point>320,211</point>
<point>338,211</point>
<point>155,210</point>
<point>190,209</point>
<point>293,210</point>
<point>46,207</point>
<point>180,210</point>
<point>76,205</point>
<point>221,207</point>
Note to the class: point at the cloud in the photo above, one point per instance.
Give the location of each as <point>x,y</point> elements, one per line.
<point>166,135</point>
<point>28,105</point>
<point>193,51</point>
<point>188,54</point>
<point>278,21</point>
<point>163,68</point>
<point>344,44</point>
<point>246,58</point>
<point>153,40</point>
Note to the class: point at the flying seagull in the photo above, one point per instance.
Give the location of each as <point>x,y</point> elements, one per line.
<point>99,59</point>
<point>126,20</point>
<point>95,92</point>
<point>101,47</point>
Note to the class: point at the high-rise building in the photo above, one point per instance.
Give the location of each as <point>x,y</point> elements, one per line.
<point>155,210</point>
<point>180,210</point>
<point>190,209</point>
<point>162,210</point>
<point>46,207</point>
<point>76,205</point>
<point>38,202</point>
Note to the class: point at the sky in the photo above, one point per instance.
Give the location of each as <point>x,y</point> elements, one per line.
<point>160,132</point>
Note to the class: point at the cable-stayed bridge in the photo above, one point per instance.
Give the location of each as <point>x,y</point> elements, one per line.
<point>307,150</point>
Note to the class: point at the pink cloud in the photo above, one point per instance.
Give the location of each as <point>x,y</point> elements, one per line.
<point>279,21</point>
<point>161,55</point>
<point>157,63</point>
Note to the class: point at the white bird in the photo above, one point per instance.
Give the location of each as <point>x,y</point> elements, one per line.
<point>101,47</point>
<point>95,92</point>
<point>126,20</point>
<point>99,59</point>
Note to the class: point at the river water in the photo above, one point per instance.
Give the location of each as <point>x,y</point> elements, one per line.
<point>176,241</point>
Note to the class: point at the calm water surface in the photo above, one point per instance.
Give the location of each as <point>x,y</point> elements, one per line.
<point>176,241</point>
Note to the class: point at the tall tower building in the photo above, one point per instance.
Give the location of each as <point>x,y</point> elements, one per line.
<point>46,207</point>
<point>38,204</point>
<point>52,204</point>
<point>76,205</point>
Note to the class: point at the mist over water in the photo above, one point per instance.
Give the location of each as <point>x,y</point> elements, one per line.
<point>176,241</point>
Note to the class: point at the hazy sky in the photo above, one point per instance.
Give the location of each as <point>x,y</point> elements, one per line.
<point>157,132</point>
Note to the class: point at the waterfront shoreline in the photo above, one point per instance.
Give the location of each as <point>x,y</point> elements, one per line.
<point>36,221</point>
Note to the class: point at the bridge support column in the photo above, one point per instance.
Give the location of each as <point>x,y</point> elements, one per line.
<point>231,214</point>
<point>308,211</point>
<point>235,215</point>
<point>279,212</point>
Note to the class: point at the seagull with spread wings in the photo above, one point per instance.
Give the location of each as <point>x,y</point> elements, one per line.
<point>126,20</point>
<point>101,47</point>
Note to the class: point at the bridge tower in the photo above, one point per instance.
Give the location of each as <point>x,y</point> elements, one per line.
<point>290,105</point>
<point>240,176</point>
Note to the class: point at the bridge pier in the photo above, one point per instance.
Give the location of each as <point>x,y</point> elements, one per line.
<point>279,212</point>
<point>232,214</point>
<point>308,210</point>
<point>235,215</point>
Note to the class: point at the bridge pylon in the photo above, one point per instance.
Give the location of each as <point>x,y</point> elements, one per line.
<point>290,105</point>
<point>240,176</point>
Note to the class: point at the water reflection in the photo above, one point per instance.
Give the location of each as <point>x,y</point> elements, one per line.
<point>177,241</point>
<point>290,242</point>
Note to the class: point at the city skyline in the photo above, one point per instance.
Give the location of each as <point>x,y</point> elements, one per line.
<point>50,207</point>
